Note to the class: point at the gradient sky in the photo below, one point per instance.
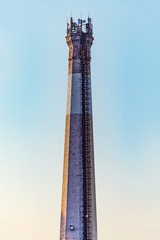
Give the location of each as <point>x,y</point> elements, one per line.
<point>126,108</point>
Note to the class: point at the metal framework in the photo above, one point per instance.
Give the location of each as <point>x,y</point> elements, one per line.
<point>87,164</point>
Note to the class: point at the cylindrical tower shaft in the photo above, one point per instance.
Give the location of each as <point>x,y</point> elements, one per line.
<point>78,212</point>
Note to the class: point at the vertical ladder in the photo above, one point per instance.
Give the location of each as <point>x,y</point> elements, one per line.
<point>87,157</point>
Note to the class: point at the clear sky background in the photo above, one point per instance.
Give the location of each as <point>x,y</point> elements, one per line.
<point>126,107</point>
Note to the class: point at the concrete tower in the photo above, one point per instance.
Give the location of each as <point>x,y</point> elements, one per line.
<point>78,210</point>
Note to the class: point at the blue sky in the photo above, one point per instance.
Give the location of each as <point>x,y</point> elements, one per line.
<point>126,100</point>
